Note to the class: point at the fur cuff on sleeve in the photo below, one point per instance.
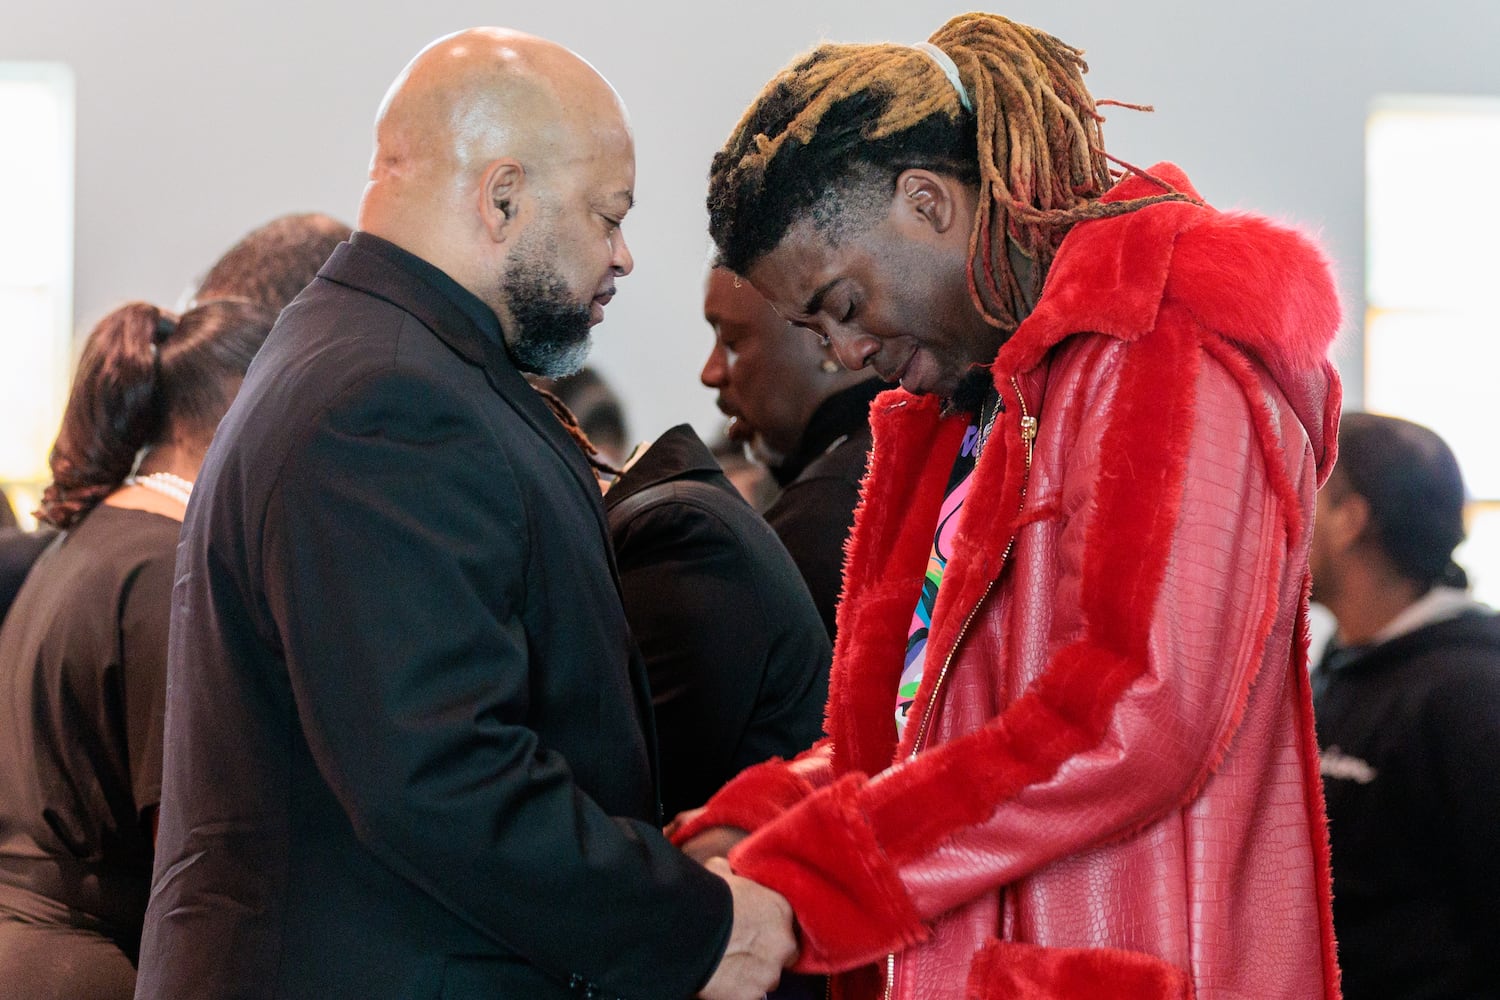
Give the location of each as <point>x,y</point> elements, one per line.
<point>756,797</point>
<point>846,894</point>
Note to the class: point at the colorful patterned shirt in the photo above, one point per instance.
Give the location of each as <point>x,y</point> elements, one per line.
<point>942,547</point>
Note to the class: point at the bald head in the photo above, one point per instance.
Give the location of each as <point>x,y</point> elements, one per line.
<point>492,144</point>
<point>486,93</point>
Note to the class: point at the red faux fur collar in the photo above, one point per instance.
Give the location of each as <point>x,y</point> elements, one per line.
<point>1262,286</point>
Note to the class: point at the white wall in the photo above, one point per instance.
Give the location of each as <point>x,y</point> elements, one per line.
<point>199,120</point>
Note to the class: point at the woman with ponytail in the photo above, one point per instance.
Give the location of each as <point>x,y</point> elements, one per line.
<point>83,650</point>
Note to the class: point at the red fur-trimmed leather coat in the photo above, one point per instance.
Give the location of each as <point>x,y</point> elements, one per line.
<point>1108,787</point>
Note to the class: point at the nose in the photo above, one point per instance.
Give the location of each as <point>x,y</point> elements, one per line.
<point>716,369</point>
<point>621,261</point>
<point>853,349</point>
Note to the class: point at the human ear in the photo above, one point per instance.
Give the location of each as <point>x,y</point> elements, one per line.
<point>1348,519</point>
<point>927,197</point>
<point>499,197</point>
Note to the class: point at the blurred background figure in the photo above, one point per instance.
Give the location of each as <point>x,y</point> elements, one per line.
<point>1407,699</point>
<point>18,550</point>
<point>799,412</point>
<point>751,479</point>
<point>83,652</point>
<point>268,266</point>
<point>598,410</point>
<point>271,264</point>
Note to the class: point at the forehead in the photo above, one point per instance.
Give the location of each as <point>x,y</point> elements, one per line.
<point>804,261</point>
<point>732,301</point>
<point>603,165</point>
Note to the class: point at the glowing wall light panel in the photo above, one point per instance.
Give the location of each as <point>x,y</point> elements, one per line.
<point>36,262</point>
<point>1480,552</point>
<point>1439,369</point>
<point>1432,332</point>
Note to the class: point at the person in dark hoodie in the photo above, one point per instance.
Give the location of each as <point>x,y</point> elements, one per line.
<point>1407,700</point>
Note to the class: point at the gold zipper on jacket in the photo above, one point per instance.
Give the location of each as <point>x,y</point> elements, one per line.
<point>1028,437</point>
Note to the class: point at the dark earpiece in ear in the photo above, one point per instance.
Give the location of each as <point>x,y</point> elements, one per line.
<point>503,204</point>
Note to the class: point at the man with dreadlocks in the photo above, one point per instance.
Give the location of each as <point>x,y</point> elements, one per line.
<point>1085,766</point>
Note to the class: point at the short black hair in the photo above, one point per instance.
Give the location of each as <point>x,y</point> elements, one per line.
<point>273,263</point>
<point>1411,480</point>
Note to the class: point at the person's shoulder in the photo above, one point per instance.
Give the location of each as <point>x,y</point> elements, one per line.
<point>820,496</point>
<point>1445,669</point>
<point>842,465</point>
<point>124,528</point>
<point>111,547</point>
<point>380,366</point>
<point>1264,284</point>
<point>691,515</point>
<point>681,510</point>
<point>1455,679</point>
<point>1466,645</point>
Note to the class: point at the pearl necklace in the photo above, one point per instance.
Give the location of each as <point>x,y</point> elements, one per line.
<point>165,483</point>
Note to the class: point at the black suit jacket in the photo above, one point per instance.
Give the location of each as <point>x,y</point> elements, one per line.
<point>408,753</point>
<point>736,652</point>
<point>820,489</point>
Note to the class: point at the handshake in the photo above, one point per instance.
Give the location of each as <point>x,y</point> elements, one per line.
<point>762,942</point>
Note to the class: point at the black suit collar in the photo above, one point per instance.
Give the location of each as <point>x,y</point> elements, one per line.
<point>838,416</point>
<point>459,319</point>
<point>380,268</point>
<point>677,454</point>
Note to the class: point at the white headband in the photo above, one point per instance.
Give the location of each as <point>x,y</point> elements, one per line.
<point>950,70</point>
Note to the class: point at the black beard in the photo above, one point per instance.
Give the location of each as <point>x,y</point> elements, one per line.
<point>551,335</point>
<point>972,390</point>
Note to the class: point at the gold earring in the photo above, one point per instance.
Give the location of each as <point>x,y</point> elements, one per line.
<point>829,366</point>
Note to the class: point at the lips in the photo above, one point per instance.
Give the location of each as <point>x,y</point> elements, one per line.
<point>899,373</point>
<point>738,429</point>
<point>597,304</point>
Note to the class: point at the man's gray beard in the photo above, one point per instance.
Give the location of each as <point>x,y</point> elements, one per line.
<point>551,333</point>
<point>541,356</point>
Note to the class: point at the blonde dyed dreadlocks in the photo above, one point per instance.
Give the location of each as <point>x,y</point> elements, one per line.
<point>1032,146</point>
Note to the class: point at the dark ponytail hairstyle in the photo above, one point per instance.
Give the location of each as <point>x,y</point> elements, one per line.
<point>1411,480</point>
<point>145,373</point>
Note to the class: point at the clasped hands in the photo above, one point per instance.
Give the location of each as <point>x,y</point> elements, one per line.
<point>762,941</point>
